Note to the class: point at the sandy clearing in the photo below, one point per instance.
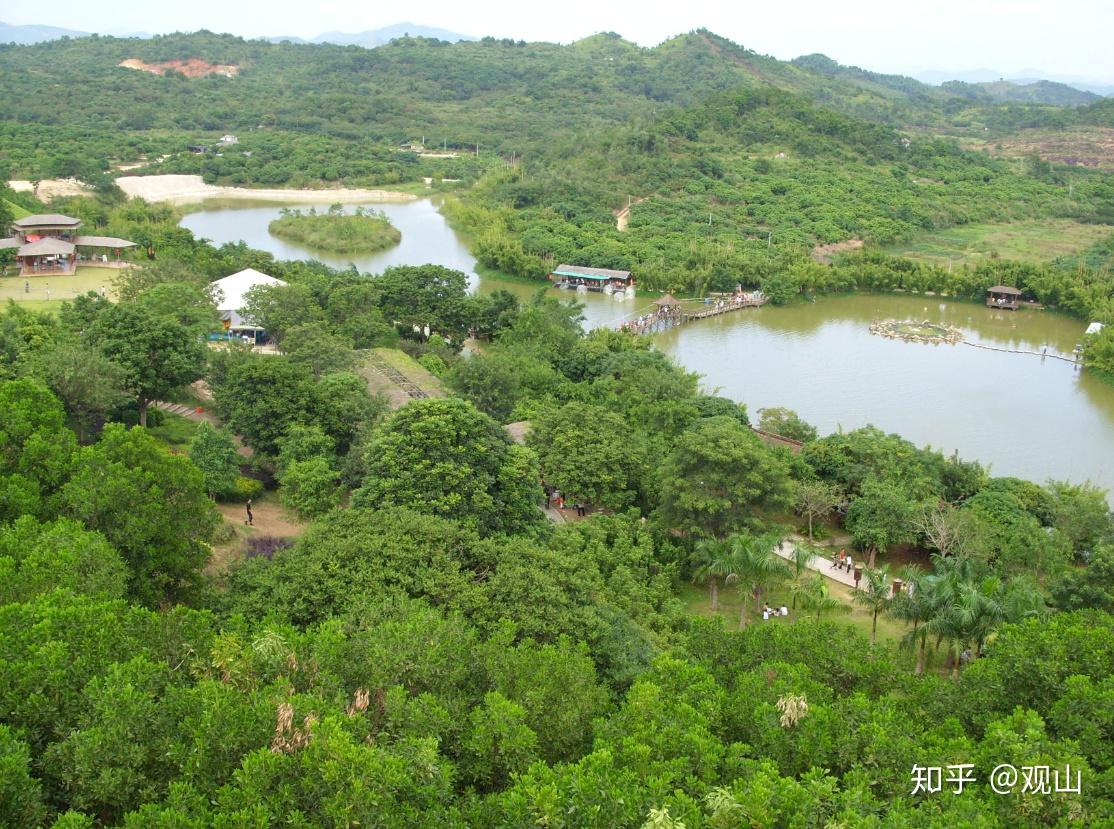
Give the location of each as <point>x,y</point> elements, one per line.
<point>50,188</point>
<point>179,189</point>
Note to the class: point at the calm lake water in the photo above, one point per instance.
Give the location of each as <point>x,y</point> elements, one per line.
<point>1025,416</point>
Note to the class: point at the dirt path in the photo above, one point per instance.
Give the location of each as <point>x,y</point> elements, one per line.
<point>181,189</point>
<point>622,217</point>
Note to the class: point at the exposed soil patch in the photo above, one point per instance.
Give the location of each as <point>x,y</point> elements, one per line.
<point>192,68</point>
<point>824,253</point>
<point>269,518</point>
<point>1090,147</point>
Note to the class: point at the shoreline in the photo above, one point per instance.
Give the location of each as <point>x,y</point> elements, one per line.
<point>182,190</point>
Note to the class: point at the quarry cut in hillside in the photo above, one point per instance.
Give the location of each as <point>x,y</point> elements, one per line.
<point>192,68</point>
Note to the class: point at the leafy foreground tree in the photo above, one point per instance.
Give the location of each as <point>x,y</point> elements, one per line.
<point>443,457</point>
<point>214,453</point>
<point>589,453</point>
<point>157,354</point>
<point>717,474</point>
<point>89,385</point>
<point>151,506</point>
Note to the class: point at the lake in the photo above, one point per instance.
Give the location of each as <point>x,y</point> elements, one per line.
<point>1023,415</point>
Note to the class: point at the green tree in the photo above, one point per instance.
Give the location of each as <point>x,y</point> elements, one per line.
<point>20,793</point>
<point>189,305</point>
<point>149,504</point>
<point>817,500</point>
<point>36,448</point>
<point>589,453</point>
<point>321,352</point>
<point>156,354</point>
<point>214,453</point>
<point>717,475</point>
<point>498,743</point>
<point>309,487</point>
<point>426,295</point>
<point>443,457</point>
<point>282,308</point>
<point>714,561</point>
<point>880,517</point>
<point>491,382</point>
<point>89,385</point>
<point>787,423</point>
<point>261,398</point>
<point>39,557</point>
<point>1090,586</point>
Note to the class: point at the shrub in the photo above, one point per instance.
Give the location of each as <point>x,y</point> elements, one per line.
<point>245,488</point>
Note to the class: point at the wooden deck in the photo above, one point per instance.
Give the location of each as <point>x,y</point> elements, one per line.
<point>663,320</point>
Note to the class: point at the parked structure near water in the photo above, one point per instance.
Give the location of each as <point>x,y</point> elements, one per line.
<point>1003,296</point>
<point>48,243</point>
<point>594,279</point>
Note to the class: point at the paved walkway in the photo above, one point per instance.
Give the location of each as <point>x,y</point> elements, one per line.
<point>820,563</point>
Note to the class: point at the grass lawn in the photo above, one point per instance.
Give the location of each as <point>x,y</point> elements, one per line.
<point>698,601</point>
<point>175,431</point>
<point>378,383</point>
<point>47,292</point>
<point>1032,240</point>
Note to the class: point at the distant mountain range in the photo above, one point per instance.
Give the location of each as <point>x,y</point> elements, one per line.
<point>987,85</point>
<point>34,34</point>
<point>1025,77</point>
<point>377,37</point>
<point>368,39</point>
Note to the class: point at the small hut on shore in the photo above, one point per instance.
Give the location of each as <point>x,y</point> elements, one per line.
<point>1003,296</point>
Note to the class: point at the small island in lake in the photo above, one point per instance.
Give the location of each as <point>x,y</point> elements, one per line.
<point>335,231</point>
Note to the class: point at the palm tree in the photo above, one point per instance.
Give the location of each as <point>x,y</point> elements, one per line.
<point>756,567</point>
<point>875,596</point>
<point>915,604</point>
<point>800,558</point>
<point>713,562</point>
<point>814,595</point>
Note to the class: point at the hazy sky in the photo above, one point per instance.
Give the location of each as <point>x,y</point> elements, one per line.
<point>1065,37</point>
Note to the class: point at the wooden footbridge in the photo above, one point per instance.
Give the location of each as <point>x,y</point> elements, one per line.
<point>668,312</point>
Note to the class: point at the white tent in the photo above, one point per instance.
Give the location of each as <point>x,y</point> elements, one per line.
<point>230,294</point>
<point>1094,328</point>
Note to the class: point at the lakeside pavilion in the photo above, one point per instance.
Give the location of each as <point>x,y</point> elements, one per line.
<point>49,243</point>
<point>1003,296</point>
<point>594,279</point>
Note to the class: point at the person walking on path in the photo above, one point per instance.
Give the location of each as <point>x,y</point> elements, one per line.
<point>250,518</point>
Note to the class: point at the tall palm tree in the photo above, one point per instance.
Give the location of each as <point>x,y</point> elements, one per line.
<point>915,604</point>
<point>875,596</point>
<point>713,563</point>
<point>814,595</point>
<point>800,558</point>
<point>756,567</point>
